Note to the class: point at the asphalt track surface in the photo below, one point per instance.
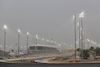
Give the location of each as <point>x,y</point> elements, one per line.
<point>49,65</point>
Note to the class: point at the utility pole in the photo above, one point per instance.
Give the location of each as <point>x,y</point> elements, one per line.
<point>74,19</point>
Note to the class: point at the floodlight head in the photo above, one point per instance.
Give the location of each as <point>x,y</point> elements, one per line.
<point>5,27</point>
<point>19,30</point>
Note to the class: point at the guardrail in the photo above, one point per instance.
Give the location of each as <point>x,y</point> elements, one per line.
<point>26,57</point>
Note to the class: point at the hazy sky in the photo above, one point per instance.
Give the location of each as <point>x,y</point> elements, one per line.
<point>49,19</point>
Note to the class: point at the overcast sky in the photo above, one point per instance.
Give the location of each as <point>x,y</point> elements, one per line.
<point>49,19</point>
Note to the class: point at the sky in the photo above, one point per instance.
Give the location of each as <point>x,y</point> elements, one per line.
<point>50,19</point>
